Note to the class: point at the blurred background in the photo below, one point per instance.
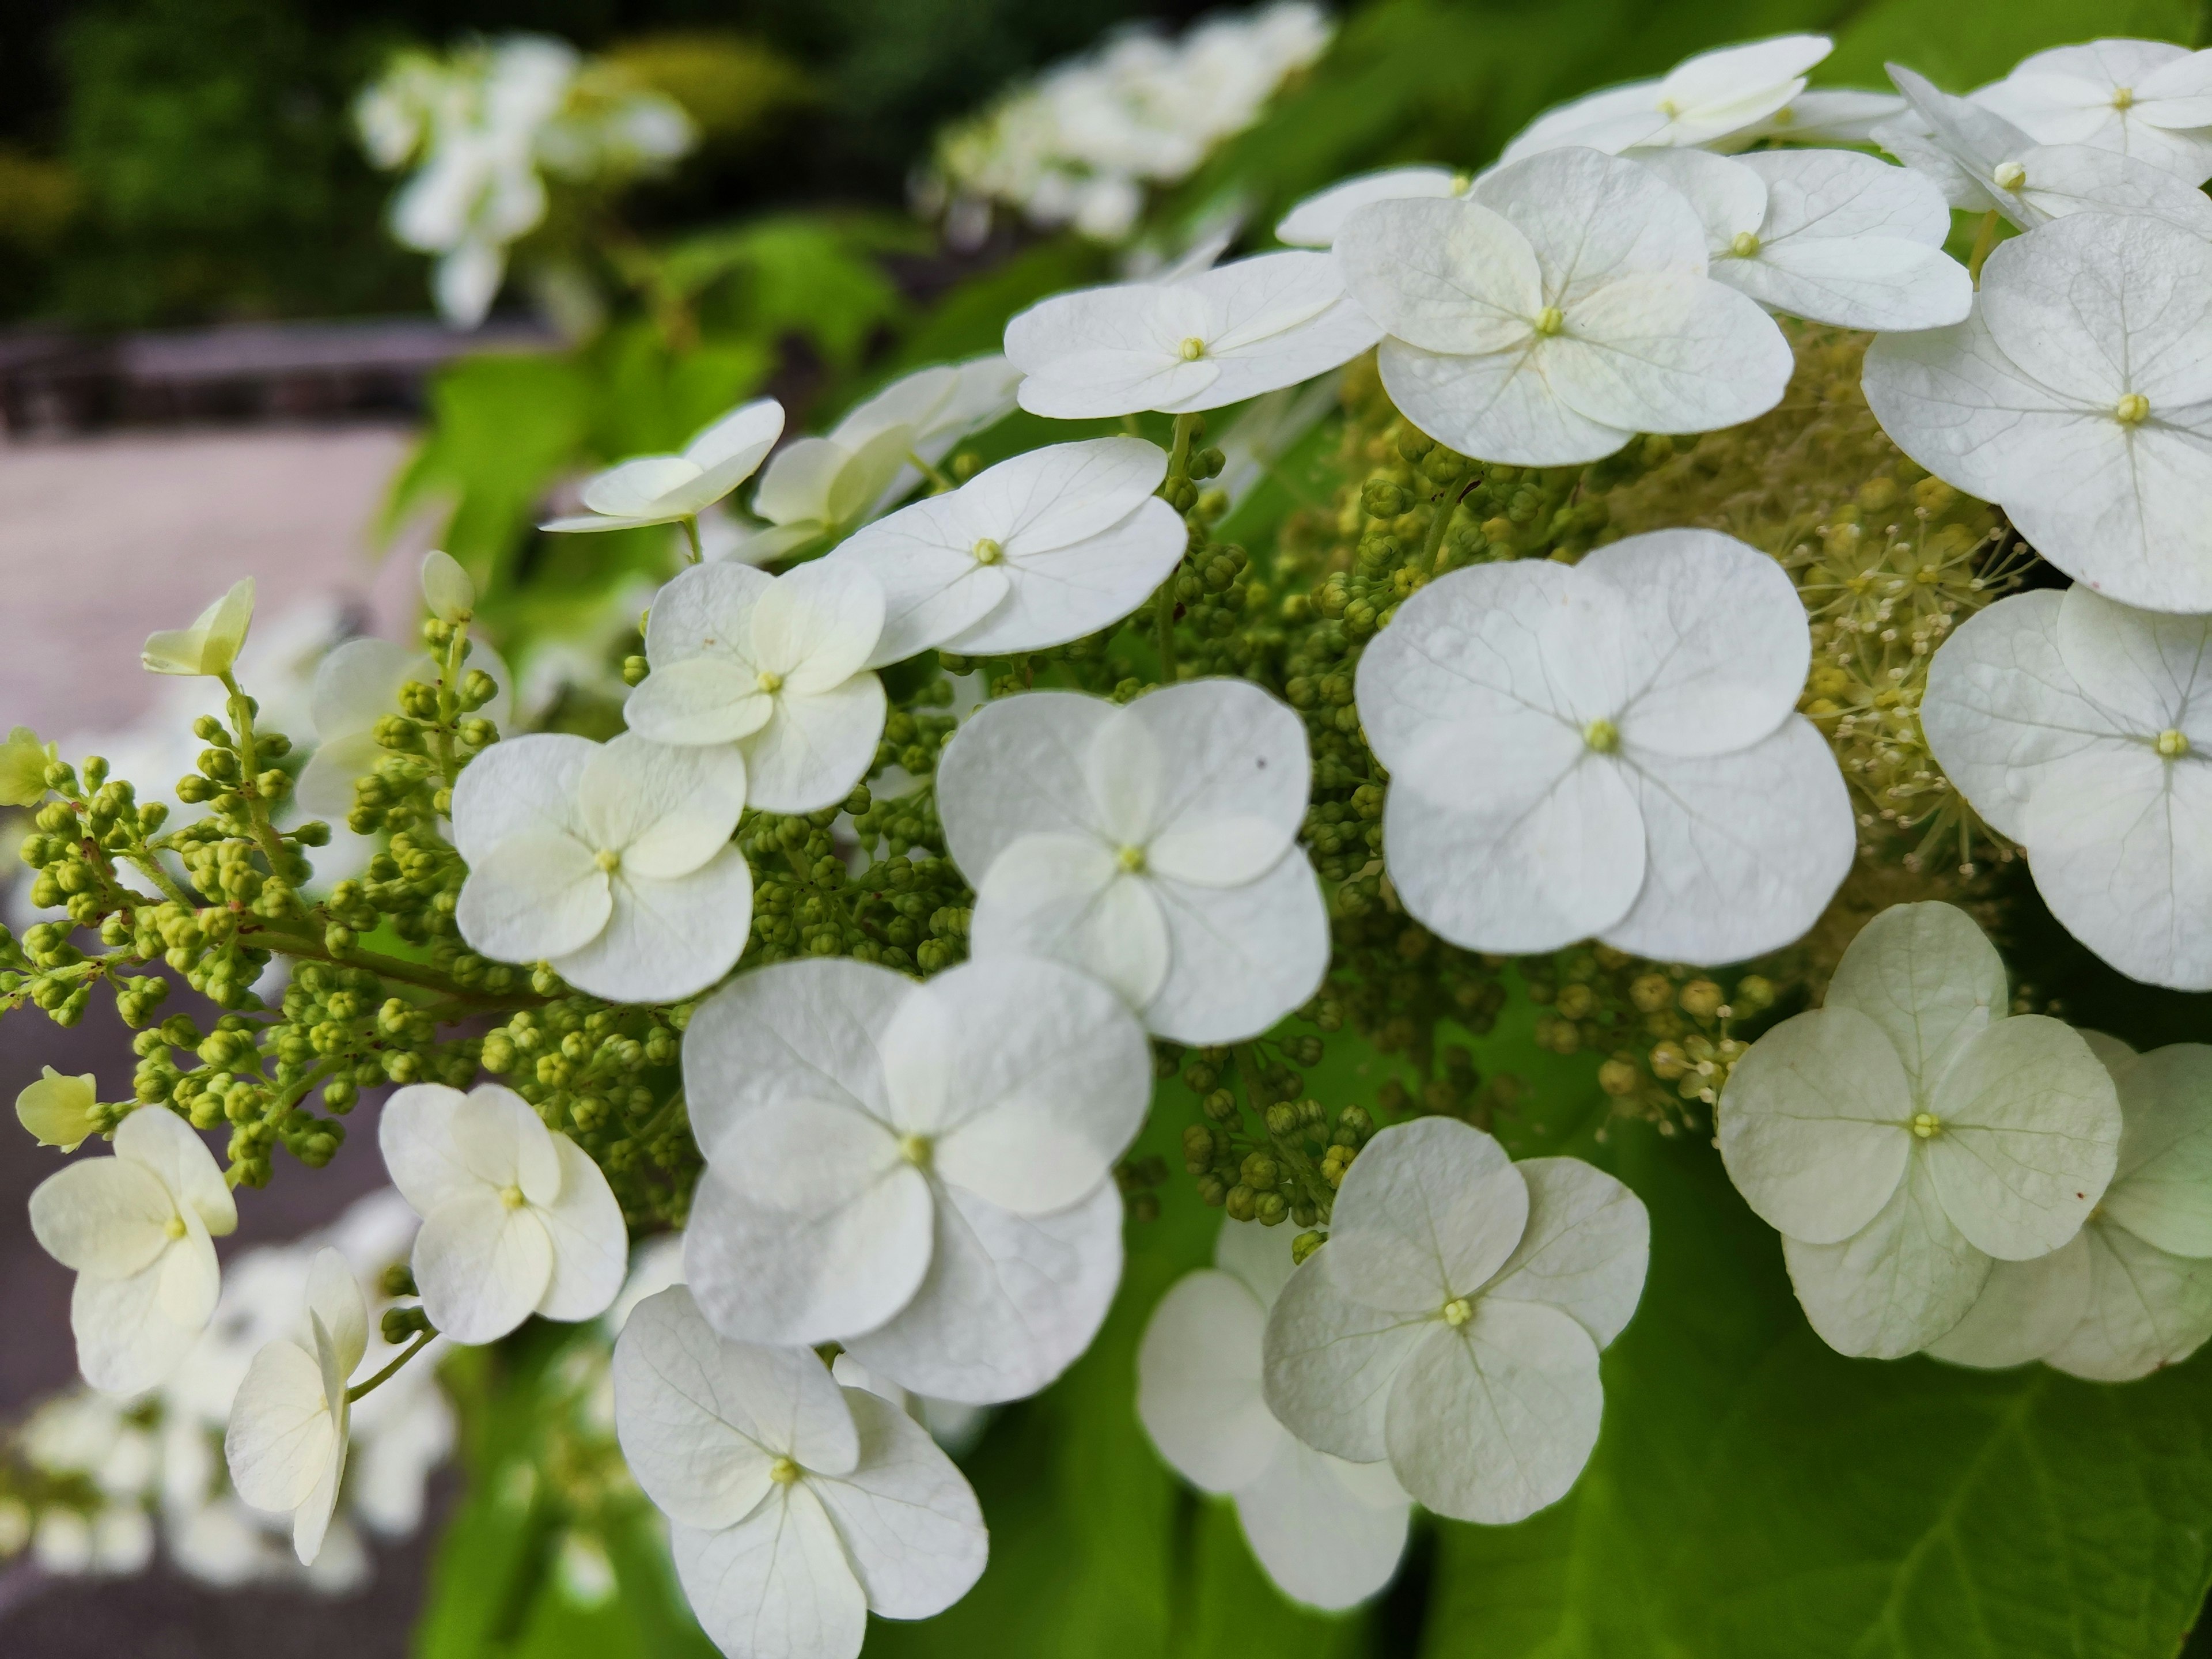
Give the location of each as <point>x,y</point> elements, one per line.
<point>299,288</point>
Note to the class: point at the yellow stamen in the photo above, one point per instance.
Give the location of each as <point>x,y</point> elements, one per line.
<point>988,551</point>
<point>1458,1312</point>
<point>511,1197</point>
<point>1603,736</point>
<point>2124,97</point>
<point>769,682</point>
<point>1462,183</point>
<point>1131,859</point>
<point>1743,244</point>
<point>2009,175</point>
<point>783,1472</point>
<point>2172,743</point>
<point>2132,410</point>
<point>1193,349</point>
<point>1550,321</point>
<point>176,1228</point>
<point>1926,1125</point>
<point>917,1150</point>
<point>608,860</point>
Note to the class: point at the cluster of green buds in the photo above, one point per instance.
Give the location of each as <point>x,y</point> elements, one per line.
<point>1267,1152</point>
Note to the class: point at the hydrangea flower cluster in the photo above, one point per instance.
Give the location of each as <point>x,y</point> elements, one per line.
<point>962,808</point>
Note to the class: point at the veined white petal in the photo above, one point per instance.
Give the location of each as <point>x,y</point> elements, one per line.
<point>1431,1210</point>
<point>1198,1382</point>
<point>1896,1284</point>
<point>909,1524</point>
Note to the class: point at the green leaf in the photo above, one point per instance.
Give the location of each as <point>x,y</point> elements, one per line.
<point>1961,47</point>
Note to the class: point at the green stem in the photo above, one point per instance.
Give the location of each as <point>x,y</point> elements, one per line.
<point>421,1341</point>
<point>408,973</point>
<point>1163,623</point>
<point>1179,457</point>
<point>698,553</point>
<point>249,788</point>
<point>1439,522</point>
<point>939,483</point>
<point>449,706</point>
<point>1984,239</point>
<point>151,867</point>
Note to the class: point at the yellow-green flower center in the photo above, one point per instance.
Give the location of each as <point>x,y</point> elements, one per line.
<point>1458,1312</point>
<point>2132,410</point>
<point>1462,183</point>
<point>1131,859</point>
<point>1743,244</point>
<point>2173,743</point>
<point>988,551</point>
<point>2009,175</point>
<point>917,1150</point>
<point>511,1196</point>
<point>769,682</point>
<point>1550,321</point>
<point>1193,349</point>
<point>1926,1125</point>
<point>2124,97</point>
<point>608,860</point>
<point>176,1228</point>
<point>783,1472</point>
<point>1603,736</point>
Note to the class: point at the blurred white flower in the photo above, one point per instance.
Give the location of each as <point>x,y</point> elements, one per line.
<point>1328,1532</point>
<point>1453,1321</point>
<point>612,861</point>
<point>285,1444</point>
<point>649,490</point>
<point>1702,99</point>
<point>1579,751</point>
<point>357,685</point>
<point>1154,846</point>
<point>138,1230</point>
<point>922,1172</point>
<point>516,1219</point>
<point>1317,222</point>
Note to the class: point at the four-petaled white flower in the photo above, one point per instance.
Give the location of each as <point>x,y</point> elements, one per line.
<point>821,487</point>
<point>1701,100</point>
<point>286,1443</point>
<point>138,1230</point>
<point>211,644</point>
<point>611,861</point>
<point>1035,551</point>
<point>2083,729</point>
<point>1452,1323</point>
<point>2078,396</point>
<point>1560,308</point>
<point>1826,235</point>
<point>770,668</point>
<point>2149,99</point>
<point>1905,1134</point>
<point>649,490</point>
<point>516,1219</point>
<point>1608,749</point>
<point>1984,163</point>
<point>1823,115</point>
<point>1212,339</point>
<point>1317,220</point>
<point>923,1173</point>
<point>1153,845</point>
<point>59,1111</point>
<point>799,1507</point>
<point>357,685</point>
<point>1329,1533</point>
<point>2133,1290</point>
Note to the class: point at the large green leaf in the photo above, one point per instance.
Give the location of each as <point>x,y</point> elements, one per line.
<point>1961,46</point>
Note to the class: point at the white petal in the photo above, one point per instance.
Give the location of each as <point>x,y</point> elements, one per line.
<point>164,1143</point>
<point>815,746</point>
<point>909,1521</point>
<point>1110,351</point>
<point>280,1430</point>
<point>706,608</point>
<point>134,1333</point>
<point>106,1216</point>
<point>1929,978</point>
<point>1443,276</point>
<point>1881,282</point>
<point>635,490</point>
<point>1744,851</point>
<point>413,1132</point>
<point>1237,756</point>
<point>1322,1544</point>
<point>1319,220</point>
<point>667,938</point>
<point>816,625</point>
<point>1667,352</point>
<point>776,1586</point>
<point>1954,403</point>
<point>358,683</point>
<point>706,699</point>
<point>325,782</point>
<point>1060,593</point>
<point>734,445</point>
<point>2146,1309</point>
<point>1009,1301</point>
<point>1030,1078</point>
<point>1593,219</point>
<point>2149,670</point>
<point>525,785</point>
<point>1258,1257</point>
<point>2025,1310</point>
<point>1065,897</point>
<point>335,1302</point>
<point>1239,959</point>
<point>2162,1192</point>
<point>1429,1210</point>
<point>534,896</point>
<point>1729,197</point>
<point>1500,405</point>
<point>1895,1286</point>
<point>591,1246</point>
<point>1584,1250</point>
<point>1018,768</point>
<point>1494,1420</point>
<point>1811,1124</point>
<point>923,558</point>
<point>1198,1383</point>
<point>665,811</point>
<point>1327,1363</point>
<point>498,1136</point>
<point>701,1418</point>
<point>481,1266</point>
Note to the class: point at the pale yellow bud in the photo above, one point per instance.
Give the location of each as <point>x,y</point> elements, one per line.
<point>211,644</point>
<point>58,1110</point>
<point>2009,175</point>
<point>446,588</point>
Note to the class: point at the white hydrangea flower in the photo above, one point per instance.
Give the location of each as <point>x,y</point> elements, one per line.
<point>1153,845</point>
<point>138,1231</point>
<point>2078,396</point>
<point>1209,340</point>
<point>797,1508</point>
<point>2083,729</point>
<point>59,1111</point>
<point>2133,1290</point>
<point>2150,99</point>
<point>1317,220</point>
<point>1035,551</point>
<point>516,1220</point>
<point>611,861</point>
<point>285,1444</point>
<point>1907,1133</point>
<point>821,488</point>
<point>1562,307</point>
<point>922,1172</point>
<point>771,669</point>
<point>1826,235</point>
<point>1825,115</point>
<point>1452,1323</point>
<point>1984,163</point>
<point>211,644</point>
<point>649,490</point>
<point>1700,99</point>
<point>1329,1532</point>
<point>1581,751</point>
<point>357,685</point>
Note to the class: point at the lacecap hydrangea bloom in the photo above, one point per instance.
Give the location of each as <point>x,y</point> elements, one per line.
<point>2149,100</point>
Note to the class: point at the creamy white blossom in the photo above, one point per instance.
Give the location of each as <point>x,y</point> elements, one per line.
<point>771,669</point>
<point>798,1507</point>
<point>649,490</point>
<point>1562,307</point>
<point>211,644</point>
<point>2083,729</point>
<point>59,1111</point>
<point>1830,235</point>
<point>1207,340</point>
<point>1452,1323</point>
<point>2150,99</point>
<point>1329,1533</point>
<point>285,1444</point>
<point>1035,551</point>
<point>516,1217</point>
<point>1153,845</point>
<point>2079,397</point>
<point>611,861</point>
<point>922,1172</point>
<point>1584,750</point>
<point>1701,100</point>
<point>356,686</point>
<point>138,1231</point>
<point>1907,1133</point>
